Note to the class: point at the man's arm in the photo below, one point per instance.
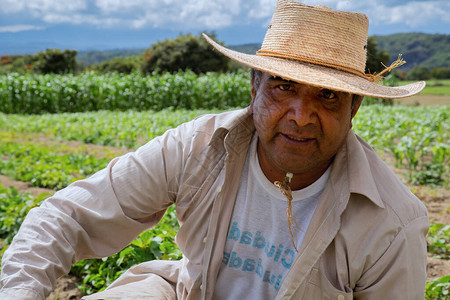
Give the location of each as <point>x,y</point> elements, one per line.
<point>401,272</point>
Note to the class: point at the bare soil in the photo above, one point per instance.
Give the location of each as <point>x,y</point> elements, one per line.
<point>66,289</point>
<point>23,186</point>
<point>437,200</point>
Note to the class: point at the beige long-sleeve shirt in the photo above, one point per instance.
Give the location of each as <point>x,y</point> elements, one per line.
<point>366,239</point>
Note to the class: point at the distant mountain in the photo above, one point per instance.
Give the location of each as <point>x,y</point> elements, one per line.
<point>429,50</point>
<point>24,47</point>
<point>247,48</point>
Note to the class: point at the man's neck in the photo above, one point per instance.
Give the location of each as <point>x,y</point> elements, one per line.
<point>298,181</point>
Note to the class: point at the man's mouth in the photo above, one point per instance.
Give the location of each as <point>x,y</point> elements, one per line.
<point>298,139</point>
<point>295,138</point>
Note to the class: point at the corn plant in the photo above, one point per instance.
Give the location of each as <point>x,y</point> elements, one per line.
<point>36,94</point>
<point>418,137</point>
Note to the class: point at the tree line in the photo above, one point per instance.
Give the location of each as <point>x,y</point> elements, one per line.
<point>186,52</point>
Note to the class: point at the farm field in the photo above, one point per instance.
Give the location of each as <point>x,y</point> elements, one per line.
<point>45,152</point>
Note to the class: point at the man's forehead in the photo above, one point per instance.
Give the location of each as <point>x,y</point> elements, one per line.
<point>278,78</point>
<point>274,78</point>
<point>270,77</point>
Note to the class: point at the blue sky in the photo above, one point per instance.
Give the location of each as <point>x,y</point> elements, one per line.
<point>29,25</point>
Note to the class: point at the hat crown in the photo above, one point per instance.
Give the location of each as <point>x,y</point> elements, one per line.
<point>318,35</point>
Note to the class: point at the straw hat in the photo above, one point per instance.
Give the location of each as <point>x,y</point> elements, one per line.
<point>319,46</point>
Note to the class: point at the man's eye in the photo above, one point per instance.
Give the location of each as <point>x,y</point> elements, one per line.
<point>285,87</point>
<point>327,94</point>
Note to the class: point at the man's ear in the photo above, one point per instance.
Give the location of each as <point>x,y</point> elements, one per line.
<point>253,94</point>
<point>356,105</point>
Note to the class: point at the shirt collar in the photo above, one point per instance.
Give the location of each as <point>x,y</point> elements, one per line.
<point>237,129</point>
<point>236,124</point>
<point>360,178</point>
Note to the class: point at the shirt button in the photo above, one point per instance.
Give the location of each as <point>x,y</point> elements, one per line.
<point>201,286</point>
<point>341,297</point>
<point>219,189</point>
<point>204,240</point>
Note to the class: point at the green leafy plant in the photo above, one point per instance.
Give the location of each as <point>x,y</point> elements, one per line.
<point>112,128</point>
<point>438,240</point>
<point>418,137</point>
<point>14,206</point>
<point>438,289</point>
<point>155,243</point>
<point>46,165</point>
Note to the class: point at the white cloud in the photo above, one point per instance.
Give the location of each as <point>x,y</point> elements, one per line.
<point>111,6</point>
<point>41,7</point>
<point>17,28</point>
<point>261,9</point>
<point>174,14</point>
<point>178,14</point>
<point>211,14</point>
<point>413,14</point>
<point>410,13</point>
<point>82,19</point>
<point>11,6</point>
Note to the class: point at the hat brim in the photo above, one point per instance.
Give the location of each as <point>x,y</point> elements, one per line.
<point>320,76</point>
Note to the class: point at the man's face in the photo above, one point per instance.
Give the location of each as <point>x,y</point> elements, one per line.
<point>300,127</point>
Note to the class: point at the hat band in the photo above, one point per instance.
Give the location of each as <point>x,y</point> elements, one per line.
<point>311,60</point>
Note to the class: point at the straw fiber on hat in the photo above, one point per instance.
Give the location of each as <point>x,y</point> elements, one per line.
<point>318,46</point>
<point>318,35</point>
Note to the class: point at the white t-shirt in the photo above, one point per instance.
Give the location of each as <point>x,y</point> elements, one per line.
<point>258,251</point>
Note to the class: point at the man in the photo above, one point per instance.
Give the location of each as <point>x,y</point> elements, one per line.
<point>277,201</point>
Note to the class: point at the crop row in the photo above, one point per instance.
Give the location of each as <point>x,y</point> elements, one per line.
<point>46,165</point>
<point>128,129</point>
<point>418,138</point>
<point>35,94</point>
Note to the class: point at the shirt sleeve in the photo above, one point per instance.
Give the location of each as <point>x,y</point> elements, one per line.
<point>401,271</point>
<point>95,217</point>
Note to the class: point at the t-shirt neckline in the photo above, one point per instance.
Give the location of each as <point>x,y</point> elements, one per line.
<point>255,170</point>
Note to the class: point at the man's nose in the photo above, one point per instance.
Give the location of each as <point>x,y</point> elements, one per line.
<point>302,111</point>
